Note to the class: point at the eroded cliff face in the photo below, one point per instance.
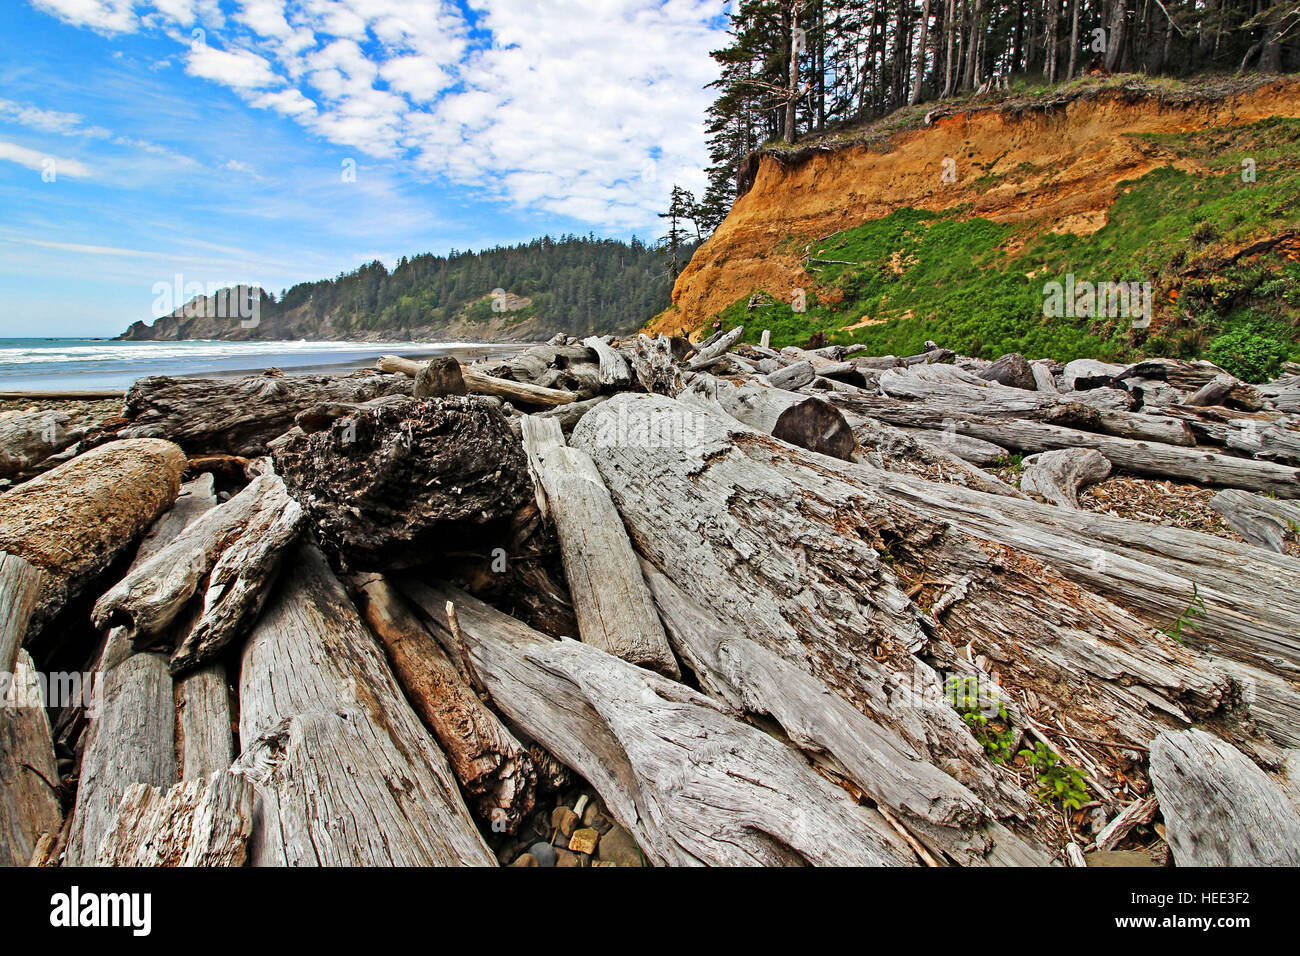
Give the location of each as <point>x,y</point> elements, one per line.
<point>1058,165</point>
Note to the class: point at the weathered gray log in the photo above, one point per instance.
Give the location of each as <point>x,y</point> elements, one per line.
<point>1273,441</point>
<point>154,592</point>
<point>799,419</point>
<point>822,366</point>
<point>691,784</point>
<point>204,725</point>
<point>1141,457</point>
<point>1058,475</point>
<point>897,449</point>
<point>1188,376</point>
<point>385,487</point>
<point>73,522</point>
<point>1044,380</point>
<point>944,815</point>
<point>976,451</point>
<point>493,767</point>
<point>1219,808</point>
<point>614,370</point>
<point>1138,812</point>
<point>818,568</point>
<point>29,438</point>
<point>346,773</point>
<point>202,822</point>
<point>1263,522</point>
<point>1226,390</point>
<point>29,804</point>
<point>655,367</point>
<point>711,353</point>
<point>793,377</point>
<point>241,578</point>
<point>1086,373</point>
<point>480,382</point>
<point>133,740</point>
<point>20,586</point>
<point>569,415</point>
<point>614,609</point>
<point>240,415</point>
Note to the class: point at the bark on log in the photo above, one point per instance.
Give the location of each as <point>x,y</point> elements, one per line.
<point>204,822</point>
<point>1058,475</point>
<point>1219,808</point>
<point>346,773</point>
<point>798,554</point>
<point>481,383</point>
<point>1263,522</point>
<point>239,416</point>
<point>256,524</point>
<point>754,682</point>
<point>29,805</point>
<point>1141,457</point>
<point>492,766</point>
<point>614,370</point>
<point>614,609</point>
<point>385,487</point>
<point>655,367</point>
<point>691,784</point>
<point>73,522</point>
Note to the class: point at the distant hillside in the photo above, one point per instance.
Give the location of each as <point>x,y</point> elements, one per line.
<point>573,284</point>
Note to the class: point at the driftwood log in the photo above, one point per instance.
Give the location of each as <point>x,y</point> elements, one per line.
<point>29,802</point>
<point>204,822</point>
<point>73,522</point>
<point>29,438</point>
<point>481,383</point>
<point>1219,808</point>
<point>492,766</point>
<point>614,370</point>
<point>345,772</point>
<point>1058,475</point>
<point>802,420</point>
<point>240,416</point>
<point>654,365</point>
<point>385,487</point>
<point>801,556</point>
<point>614,609</point>
<point>691,784</point>
<point>1264,522</point>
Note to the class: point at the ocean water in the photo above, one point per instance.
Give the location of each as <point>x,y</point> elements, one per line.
<point>76,364</point>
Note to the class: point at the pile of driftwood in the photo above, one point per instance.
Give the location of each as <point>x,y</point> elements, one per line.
<point>768,604</point>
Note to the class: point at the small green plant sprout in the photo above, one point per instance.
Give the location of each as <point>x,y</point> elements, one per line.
<point>1057,780</point>
<point>1186,619</point>
<point>985,715</point>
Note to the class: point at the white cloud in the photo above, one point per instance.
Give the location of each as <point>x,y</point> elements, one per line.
<point>105,16</point>
<point>42,162</point>
<point>236,68</point>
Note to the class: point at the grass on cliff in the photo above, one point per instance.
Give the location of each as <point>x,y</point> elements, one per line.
<point>977,286</point>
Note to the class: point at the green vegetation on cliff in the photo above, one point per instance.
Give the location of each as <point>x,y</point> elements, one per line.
<point>1221,252</point>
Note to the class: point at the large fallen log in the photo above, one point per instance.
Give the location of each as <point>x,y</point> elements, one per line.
<point>614,609</point>
<point>691,784</point>
<point>614,370</point>
<point>385,487</point>
<point>480,382</point>
<point>1058,475</point>
<point>74,522</point>
<point>897,449</point>
<point>346,773</point>
<point>1219,808</point>
<point>29,438</point>
<point>801,420</point>
<point>1140,457</point>
<point>944,815</point>
<point>30,803</point>
<point>493,767</point>
<point>240,415</point>
<point>204,822</point>
<point>800,556</point>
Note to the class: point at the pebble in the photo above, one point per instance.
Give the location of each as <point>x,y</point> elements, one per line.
<point>543,852</point>
<point>565,820</point>
<point>584,841</point>
<point>526,859</point>
<point>564,858</point>
<point>618,847</point>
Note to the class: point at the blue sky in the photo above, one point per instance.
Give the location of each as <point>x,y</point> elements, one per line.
<point>277,141</point>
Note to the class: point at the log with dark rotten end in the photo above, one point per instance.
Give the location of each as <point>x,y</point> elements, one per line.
<point>802,420</point>
<point>493,767</point>
<point>690,783</point>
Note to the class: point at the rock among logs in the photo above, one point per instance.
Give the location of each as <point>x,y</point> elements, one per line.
<point>386,485</point>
